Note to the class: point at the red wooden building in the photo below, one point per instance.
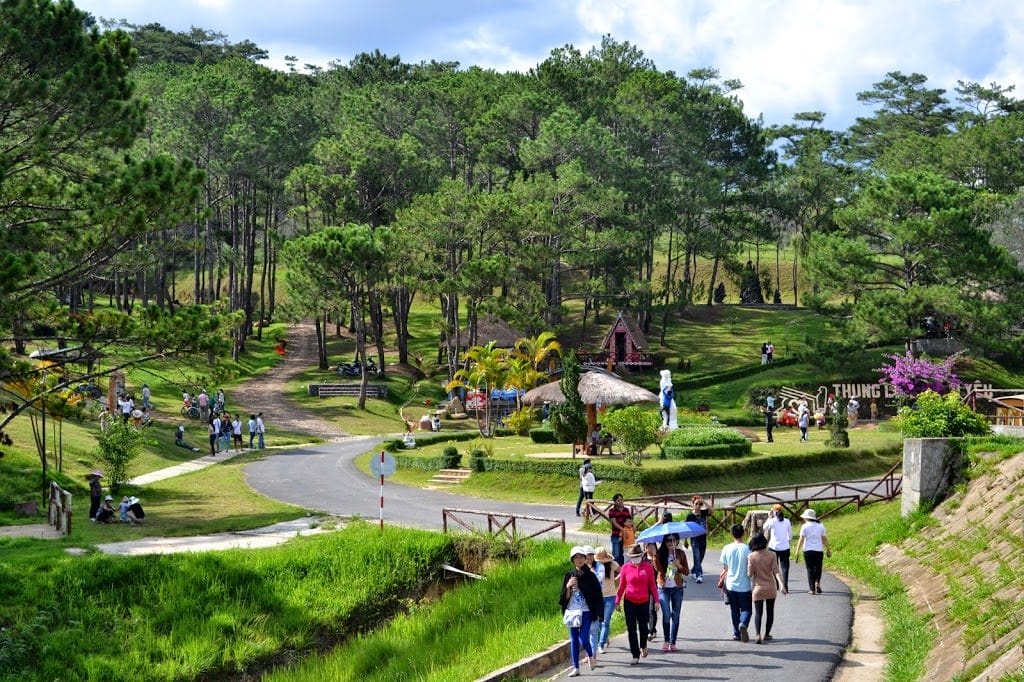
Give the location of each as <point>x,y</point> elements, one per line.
<point>624,345</point>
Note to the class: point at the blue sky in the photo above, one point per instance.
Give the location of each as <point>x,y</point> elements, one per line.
<point>791,55</point>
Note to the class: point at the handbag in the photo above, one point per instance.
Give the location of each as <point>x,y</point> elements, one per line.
<point>572,618</point>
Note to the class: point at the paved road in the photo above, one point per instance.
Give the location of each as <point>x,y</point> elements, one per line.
<point>811,631</point>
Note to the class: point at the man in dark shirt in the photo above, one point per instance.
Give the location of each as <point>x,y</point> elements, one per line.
<point>617,515</point>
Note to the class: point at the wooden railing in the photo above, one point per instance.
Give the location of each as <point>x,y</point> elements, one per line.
<point>500,525</point>
<point>794,499</point>
<point>59,509</point>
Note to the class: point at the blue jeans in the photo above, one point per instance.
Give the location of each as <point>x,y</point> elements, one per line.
<point>671,599</point>
<point>739,606</point>
<point>699,549</point>
<point>606,624</point>
<point>580,636</point>
<point>261,443</point>
<point>617,549</point>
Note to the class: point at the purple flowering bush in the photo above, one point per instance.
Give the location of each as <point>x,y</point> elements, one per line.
<point>910,376</point>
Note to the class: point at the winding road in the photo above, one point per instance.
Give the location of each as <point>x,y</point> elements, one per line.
<point>811,632</point>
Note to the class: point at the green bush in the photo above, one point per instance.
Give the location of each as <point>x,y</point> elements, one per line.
<point>936,416</point>
<point>118,446</point>
<point>451,458</point>
<point>718,450</point>
<point>477,460</point>
<point>519,421</point>
<point>692,436</point>
<point>543,435</point>
<point>635,428</point>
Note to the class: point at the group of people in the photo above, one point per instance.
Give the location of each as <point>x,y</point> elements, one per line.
<point>641,579</point>
<point>225,431</point>
<point>207,407</point>
<point>101,508</point>
<point>767,352</point>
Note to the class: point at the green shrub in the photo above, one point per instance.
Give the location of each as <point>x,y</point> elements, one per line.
<point>477,460</point>
<point>519,422</point>
<point>634,427</point>
<point>718,450</point>
<point>118,446</point>
<point>543,435</point>
<point>692,436</point>
<point>936,416</point>
<point>451,458</point>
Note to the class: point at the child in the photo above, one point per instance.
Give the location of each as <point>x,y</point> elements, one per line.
<point>628,533</point>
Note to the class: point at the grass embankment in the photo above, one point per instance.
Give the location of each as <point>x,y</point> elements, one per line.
<point>182,616</point>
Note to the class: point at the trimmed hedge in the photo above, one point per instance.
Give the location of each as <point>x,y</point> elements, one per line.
<point>693,436</point>
<point>394,445</point>
<point>722,377</point>
<point>649,476</point>
<point>708,451</point>
<point>543,435</point>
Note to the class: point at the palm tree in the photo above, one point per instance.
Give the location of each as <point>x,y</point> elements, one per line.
<point>522,376</point>
<point>537,349</point>
<point>486,368</point>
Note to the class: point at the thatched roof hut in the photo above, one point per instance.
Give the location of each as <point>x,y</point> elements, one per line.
<point>489,328</point>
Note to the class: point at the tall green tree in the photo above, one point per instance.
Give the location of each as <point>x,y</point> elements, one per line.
<point>911,245</point>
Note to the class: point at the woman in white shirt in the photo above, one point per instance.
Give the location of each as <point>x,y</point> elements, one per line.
<point>814,543</point>
<point>779,531</point>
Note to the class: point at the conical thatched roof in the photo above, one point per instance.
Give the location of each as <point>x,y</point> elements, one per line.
<point>595,388</point>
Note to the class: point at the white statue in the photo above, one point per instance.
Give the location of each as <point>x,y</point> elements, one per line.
<point>668,402</point>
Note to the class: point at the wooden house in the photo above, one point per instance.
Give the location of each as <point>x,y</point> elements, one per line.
<point>625,345</point>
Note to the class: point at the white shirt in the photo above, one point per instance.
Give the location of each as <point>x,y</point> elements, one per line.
<point>779,532</point>
<point>260,428</point>
<point>589,482</point>
<point>812,533</point>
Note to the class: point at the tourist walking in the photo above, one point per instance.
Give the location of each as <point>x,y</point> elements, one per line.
<point>617,516</point>
<point>814,543</point>
<point>583,470</point>
<point>204,405</point>
<point>146,395</point>
<point>763,569</point>
<point>212,430</point>
<point>637,587</point>
<point>803,420</point>
<point>252,429</point>
<point>589,485</point>
<point>651,557</point>
<point>610,576</point>
<point>736,582</point>
<point>581,601</point>
<point>236,433</point>
<point>672,570</point>
<point>598,570</point>
<point>700,511</point>
<point>779,532</point>
<point>769,423</point>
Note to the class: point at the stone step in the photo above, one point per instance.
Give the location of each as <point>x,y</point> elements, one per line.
<point>451,476</point>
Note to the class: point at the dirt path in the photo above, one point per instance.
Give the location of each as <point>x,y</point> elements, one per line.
<point>267,393</point>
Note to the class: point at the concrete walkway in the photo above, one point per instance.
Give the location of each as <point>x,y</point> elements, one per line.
<point>268,536</point>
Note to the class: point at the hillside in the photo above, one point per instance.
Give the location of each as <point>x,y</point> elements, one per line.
<point>967,572</point>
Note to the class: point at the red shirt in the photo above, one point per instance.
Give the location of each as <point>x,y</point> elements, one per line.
<point>617,515</point>
<point>636,583</point>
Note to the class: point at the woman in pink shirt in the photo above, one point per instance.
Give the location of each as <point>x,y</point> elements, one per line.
<point>637,587</point>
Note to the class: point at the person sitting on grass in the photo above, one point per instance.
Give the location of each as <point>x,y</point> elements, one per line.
<point>179,439</point>
<point>106,512</point>
<point>131,511</point>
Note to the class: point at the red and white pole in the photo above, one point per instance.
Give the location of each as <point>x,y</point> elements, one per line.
<point>382,490</point>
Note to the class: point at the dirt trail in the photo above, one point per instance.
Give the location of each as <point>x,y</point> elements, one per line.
<point>267,393</point>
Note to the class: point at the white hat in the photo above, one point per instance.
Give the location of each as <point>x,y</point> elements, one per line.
<point>576,550</point>
<point>810,515</point>
<point>587,549</point>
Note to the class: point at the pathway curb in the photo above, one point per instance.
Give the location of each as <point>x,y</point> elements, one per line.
<point>531,666</point>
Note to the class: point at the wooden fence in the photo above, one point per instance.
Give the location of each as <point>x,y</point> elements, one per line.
<point>501,525</point>
<point>726,505</point>
<point>59,509</point>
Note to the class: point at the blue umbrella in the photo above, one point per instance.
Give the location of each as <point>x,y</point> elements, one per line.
<point>684,529</point>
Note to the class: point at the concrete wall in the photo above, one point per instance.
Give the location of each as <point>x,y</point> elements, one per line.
<point>930,467</point>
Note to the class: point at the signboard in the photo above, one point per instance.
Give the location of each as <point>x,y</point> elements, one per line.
<point>384,465</point>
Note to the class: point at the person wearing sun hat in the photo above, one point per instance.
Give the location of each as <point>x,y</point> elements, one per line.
<point>814,543</point>
<point>637,587</point>
<point>107,511</point>
<point>598,569</point>
<point>581,602</point>
<point>608,587</point>
<point>95,493</point>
